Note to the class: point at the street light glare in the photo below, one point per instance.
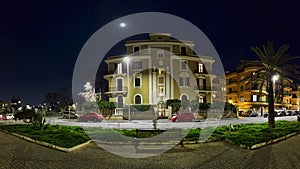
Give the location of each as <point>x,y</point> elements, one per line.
<point>126,59</point>
<point>122,24</point>
<point>275,78</point>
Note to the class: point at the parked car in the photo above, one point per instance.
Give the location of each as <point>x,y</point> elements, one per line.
<point>289,113</point>
<point>281,113</point>
<point>10,117</point>
<point>292,112</point>
<point>266,114</point>
<point>252,113</point>
<point>69,115</point>
<point>241,113</point>
<point>96,117</point>
<point>183,116</point>
<point>297,112</point>
<point>2,117</point>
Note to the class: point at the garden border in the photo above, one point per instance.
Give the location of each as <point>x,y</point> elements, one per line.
<point>63,149</point>
<point>259,145</point>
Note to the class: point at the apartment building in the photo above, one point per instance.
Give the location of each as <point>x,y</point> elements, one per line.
<point>157,69</point>
<point>246,97</point>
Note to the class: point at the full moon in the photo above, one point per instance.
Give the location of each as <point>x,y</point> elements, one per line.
<point>122,24</point>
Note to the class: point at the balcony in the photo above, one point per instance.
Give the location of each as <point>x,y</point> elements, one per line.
<point>232,81</point>
<point>233,91</point>
<point>114,73</point>
<point>114,91</point>
<point>287,95</point>
<point>198,89</point>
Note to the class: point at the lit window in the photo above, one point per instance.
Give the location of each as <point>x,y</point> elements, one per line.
<point>201,100</point>
<point>160,71</point>
<point>254,98</point>
<point>200,67</point>
<point>161,90</point>
<point>242,98</point>
<point>119,68</point>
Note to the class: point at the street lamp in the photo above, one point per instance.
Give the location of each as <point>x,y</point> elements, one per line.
<point>127,60</point>
<point>274,78</point>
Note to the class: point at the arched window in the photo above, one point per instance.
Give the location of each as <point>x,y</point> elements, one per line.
<point>184,97</point>
<point>138,99</point>
<point>120,102</point>
<point>184,101</point>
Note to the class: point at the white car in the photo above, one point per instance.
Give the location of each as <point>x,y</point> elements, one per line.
<point>10,117</point>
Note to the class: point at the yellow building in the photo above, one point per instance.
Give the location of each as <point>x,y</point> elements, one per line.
<point>239,93</point>
<point>296,97</point>
<point>159,68</point>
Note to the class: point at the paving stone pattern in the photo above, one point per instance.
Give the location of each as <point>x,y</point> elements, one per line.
<point>18,153</point>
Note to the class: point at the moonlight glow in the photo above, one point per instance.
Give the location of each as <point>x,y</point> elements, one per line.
<point>122,24</point>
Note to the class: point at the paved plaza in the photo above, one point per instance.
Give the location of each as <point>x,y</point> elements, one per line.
<point>18,153</point>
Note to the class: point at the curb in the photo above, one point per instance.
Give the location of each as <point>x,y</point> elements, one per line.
<point>256,146</point>
<point>48,144</point>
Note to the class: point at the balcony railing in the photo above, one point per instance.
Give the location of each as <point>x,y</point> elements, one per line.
<point>115,72</point>
<point>209,88</point>
<point>118,89</point>
<point>232,81</point>
<point>287,94</point>
<point>233,91</point>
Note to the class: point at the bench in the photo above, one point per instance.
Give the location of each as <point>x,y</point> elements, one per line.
<point>143,134</point>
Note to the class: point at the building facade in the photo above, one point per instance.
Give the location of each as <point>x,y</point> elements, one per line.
<point>157,69</point>
<point>246,97</point>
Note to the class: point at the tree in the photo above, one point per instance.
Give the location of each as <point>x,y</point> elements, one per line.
<point>59,100</point>
<point>91,98</point>
<point>175,103</point>
<point>89,93</point>
<point>271,63</point>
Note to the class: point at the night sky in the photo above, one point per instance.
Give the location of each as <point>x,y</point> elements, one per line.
<point>40,41</point>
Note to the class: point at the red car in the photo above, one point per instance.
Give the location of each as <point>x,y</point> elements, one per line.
<point>2,117</point>
<point>96,117</point>
<point>184,116</point>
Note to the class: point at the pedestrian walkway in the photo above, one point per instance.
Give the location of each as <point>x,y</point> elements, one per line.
<point>18,153</point>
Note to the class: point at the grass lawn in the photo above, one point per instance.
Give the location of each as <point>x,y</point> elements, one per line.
<point>69,136</point>
<point>254,133</point>
<point>63,136</point>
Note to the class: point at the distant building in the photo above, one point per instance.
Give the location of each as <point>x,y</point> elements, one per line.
<point>253,98</point>
<point>160,68</point>
<point>15,103</point>
<point>3,106</point>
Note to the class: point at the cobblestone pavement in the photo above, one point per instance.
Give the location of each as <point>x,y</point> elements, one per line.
<point>18,153</point>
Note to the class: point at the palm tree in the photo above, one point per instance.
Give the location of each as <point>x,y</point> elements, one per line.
<point>271,63</point>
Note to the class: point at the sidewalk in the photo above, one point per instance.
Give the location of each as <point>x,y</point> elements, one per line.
<point>18,153</point>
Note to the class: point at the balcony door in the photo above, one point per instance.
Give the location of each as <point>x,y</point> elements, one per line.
<point>120,84</point>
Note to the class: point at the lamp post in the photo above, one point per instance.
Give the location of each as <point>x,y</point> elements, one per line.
<point>127,60</point>
<point>274,78</point>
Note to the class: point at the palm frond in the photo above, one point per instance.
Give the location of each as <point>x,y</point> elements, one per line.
<point>259,53</point>
<point>287,58</point>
